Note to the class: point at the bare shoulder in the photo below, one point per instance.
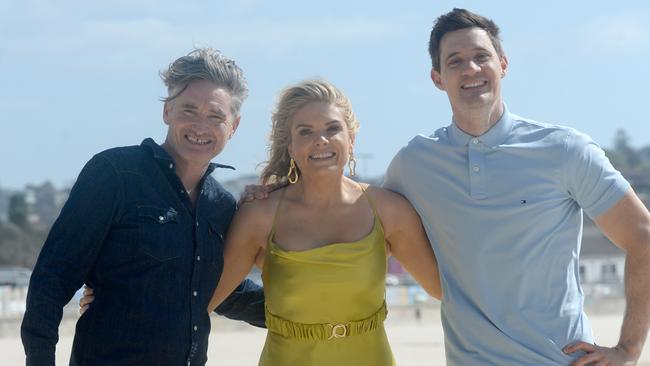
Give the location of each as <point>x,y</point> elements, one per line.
<point>396,213</point>
<point>386,199</point>
<point>393,209</point>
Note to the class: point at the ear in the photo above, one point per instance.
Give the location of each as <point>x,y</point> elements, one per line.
<point>290,150</point>
<point>234,126</point>
<point>437,79</point>
<point>504,66</point>
<point>166,111</point>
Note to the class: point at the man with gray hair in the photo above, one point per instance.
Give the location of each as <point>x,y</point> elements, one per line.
<point>144,226</point>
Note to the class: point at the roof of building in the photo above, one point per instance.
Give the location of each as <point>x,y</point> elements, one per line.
<point>14,276</point>
<point>595,244</point>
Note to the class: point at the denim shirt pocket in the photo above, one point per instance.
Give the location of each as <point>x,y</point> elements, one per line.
<point>158,232</point>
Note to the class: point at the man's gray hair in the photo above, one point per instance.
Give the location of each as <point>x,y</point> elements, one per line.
<point>206,64</point>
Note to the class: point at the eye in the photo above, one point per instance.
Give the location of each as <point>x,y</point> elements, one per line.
<point>334,129</point>
<point>189,112</point>
<point>482,57</point>
<point>454,62</point>
<point>216,119</point>
<point>304,132</point>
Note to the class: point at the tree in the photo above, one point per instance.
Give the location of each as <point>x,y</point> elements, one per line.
<point>623,156</point>
<point>11,238</point>
<point>19,211</point>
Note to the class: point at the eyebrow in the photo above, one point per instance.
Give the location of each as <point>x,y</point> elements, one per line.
<point>334,121</point>
<point>218,112</point>
<point>457,53</point>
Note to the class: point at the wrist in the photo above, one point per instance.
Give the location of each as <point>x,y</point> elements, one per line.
<point>633,349</point>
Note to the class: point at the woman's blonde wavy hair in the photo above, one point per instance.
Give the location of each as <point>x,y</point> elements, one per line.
<point>291,100</point>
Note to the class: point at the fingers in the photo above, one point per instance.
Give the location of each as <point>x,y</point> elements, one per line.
<point>253,192</point>
<point>83,309</point>
<point>86,300</point>
<point>88,291</point>
<point>579,346</point>
<point>588,359</point>
<point>246,196</point>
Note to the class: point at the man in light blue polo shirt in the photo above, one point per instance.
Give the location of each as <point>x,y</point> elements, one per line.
<point>501,198</point>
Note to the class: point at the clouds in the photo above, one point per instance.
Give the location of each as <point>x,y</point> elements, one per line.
<point>611,34</point>
<point>86,36</point>
<point>153,31</point>
<point>618,32</point>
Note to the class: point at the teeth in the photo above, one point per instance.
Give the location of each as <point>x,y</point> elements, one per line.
<point>322,156</point>
<point>474,85</point>
<point>196,140</point>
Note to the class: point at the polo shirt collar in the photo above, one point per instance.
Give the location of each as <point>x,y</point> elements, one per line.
<point>496,135</point>
<point>162,156</point>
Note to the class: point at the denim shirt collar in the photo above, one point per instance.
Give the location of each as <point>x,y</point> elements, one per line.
<point>163,157</point>
<point>496,135</point>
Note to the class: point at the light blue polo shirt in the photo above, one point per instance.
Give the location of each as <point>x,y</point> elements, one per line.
<point>503,212</point>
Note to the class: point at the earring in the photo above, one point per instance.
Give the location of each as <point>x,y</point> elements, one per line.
<point>292,171</point>
<point>352,164</point>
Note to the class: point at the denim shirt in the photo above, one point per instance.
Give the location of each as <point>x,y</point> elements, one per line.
<point>130,232</point>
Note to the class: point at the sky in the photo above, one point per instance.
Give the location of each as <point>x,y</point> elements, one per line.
<point>78,77</point>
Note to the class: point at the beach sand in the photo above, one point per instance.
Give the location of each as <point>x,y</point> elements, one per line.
<point>414,343</point>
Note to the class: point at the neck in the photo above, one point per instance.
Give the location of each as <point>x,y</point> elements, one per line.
<point>324,191</point>
<point>189,173</point>
<point>476,122</point>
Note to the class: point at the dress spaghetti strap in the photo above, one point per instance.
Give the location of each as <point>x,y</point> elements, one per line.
<point>370,202</point>
<point>277,209</point>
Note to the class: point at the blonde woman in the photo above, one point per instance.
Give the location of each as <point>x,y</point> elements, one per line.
<point>323,239</point>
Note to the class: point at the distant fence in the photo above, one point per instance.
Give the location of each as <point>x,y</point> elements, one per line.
<point>12,298</point>
<point>408,295</point>
<point>12,301</point>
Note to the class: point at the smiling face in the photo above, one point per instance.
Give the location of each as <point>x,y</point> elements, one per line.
<point>470,70</point>
<point>200,123</point>
<point>320,139</point>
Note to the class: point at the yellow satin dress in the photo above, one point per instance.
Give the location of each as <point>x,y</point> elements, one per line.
<point>325,306</point>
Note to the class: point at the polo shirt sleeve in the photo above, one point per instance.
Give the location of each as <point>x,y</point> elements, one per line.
<point>590,178</point>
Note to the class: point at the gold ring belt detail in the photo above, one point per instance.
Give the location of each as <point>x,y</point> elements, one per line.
<point>325,331</point>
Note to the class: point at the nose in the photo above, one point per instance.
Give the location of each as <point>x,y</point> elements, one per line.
<point>200,125</point>
<point>202,122</point>
<point>321,140</point>
<point>471,67</point>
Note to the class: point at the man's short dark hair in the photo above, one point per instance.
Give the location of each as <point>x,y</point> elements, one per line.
<point>460,19</point>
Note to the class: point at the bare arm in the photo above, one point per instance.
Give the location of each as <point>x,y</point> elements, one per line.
<point>407,240</point>
<point>246,238</point>
<point>627,224</point>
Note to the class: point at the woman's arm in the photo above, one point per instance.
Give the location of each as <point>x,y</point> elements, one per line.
<point>246,238</point>
<point>407,239</point>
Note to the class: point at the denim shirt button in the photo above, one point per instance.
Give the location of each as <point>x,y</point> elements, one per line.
<point>171,165</point>
<point>196,328</point>
<point>161,219</point>
<point>195,293</point>
<point>198,257</point>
